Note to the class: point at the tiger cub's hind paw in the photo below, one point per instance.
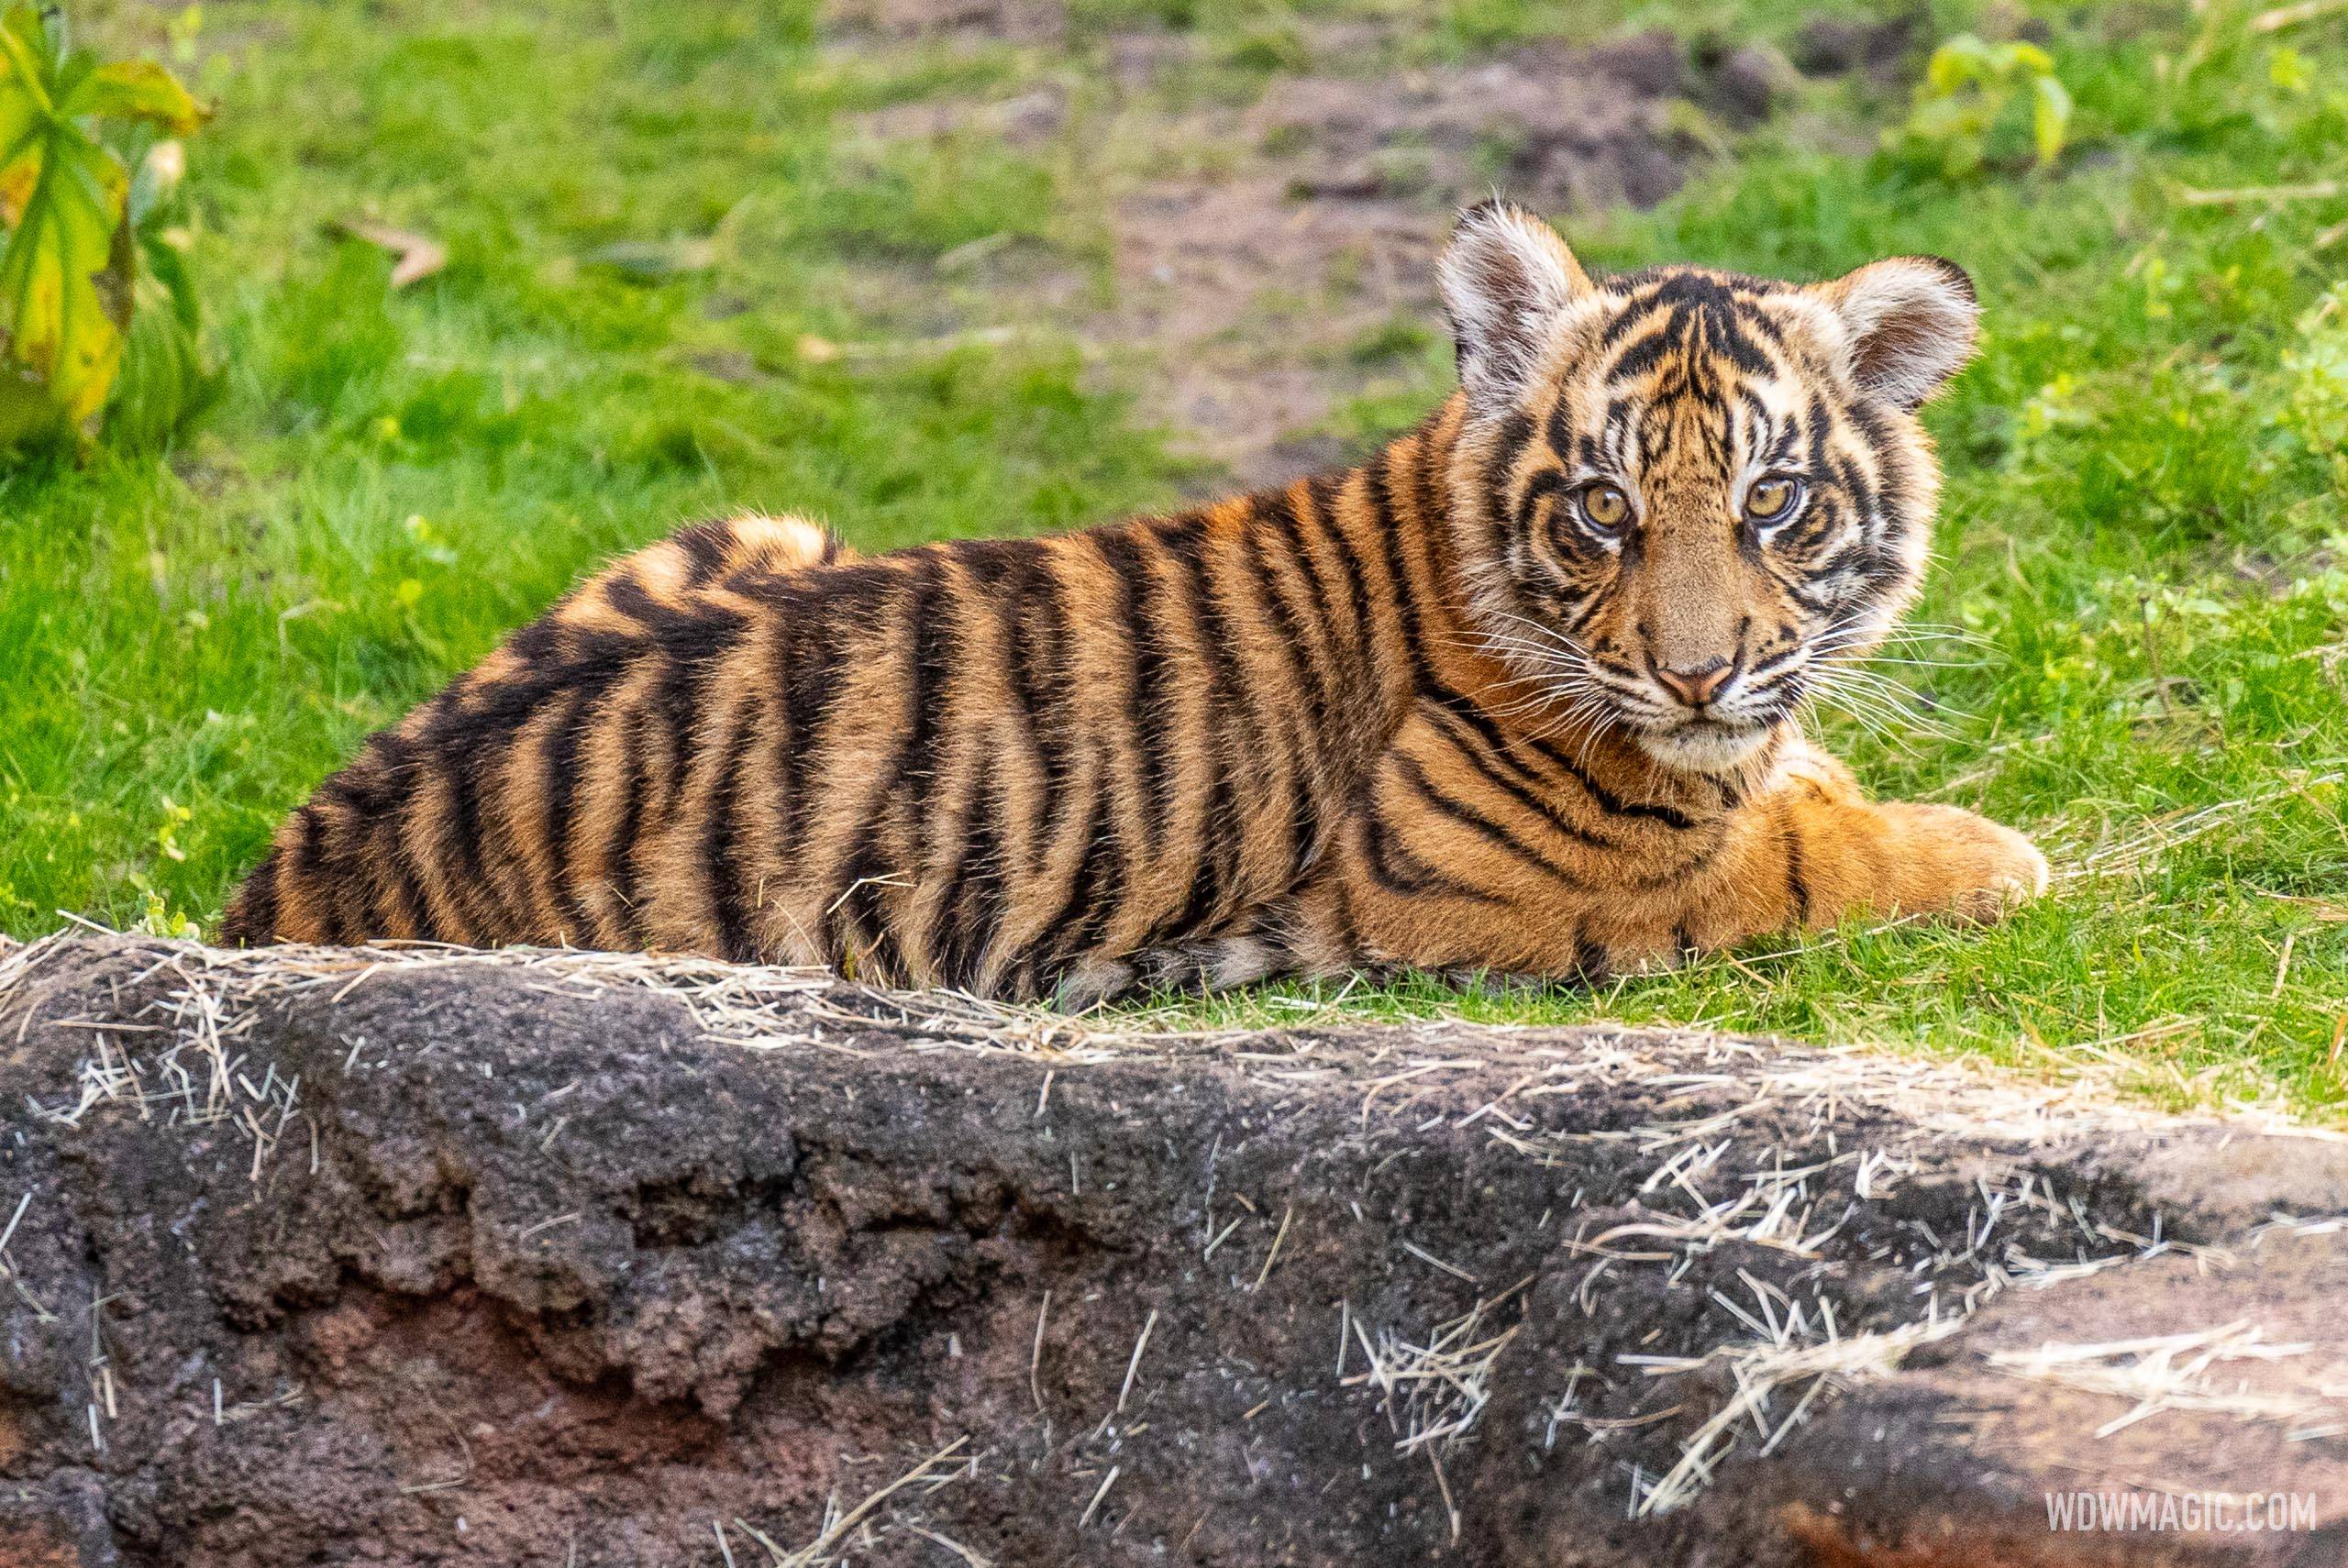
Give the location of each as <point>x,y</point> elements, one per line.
<point>1208,964</point>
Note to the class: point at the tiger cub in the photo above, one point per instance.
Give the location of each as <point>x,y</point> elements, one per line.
<point>1517,695</point>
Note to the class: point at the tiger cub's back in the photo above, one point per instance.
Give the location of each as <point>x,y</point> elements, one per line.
<point>402,844</point>
<point>974,763</point>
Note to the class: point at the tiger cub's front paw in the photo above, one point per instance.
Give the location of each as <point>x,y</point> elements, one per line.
<point>1949,861</point>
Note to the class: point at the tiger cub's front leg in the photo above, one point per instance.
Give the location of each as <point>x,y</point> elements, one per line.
<point>1472,850</point>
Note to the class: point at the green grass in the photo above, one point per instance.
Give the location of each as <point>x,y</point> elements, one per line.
<point>2145,528</point>
<point>390,481</point>
<point>2145,521</point>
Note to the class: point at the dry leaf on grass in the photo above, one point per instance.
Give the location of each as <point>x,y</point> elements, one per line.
<point>418,256</point>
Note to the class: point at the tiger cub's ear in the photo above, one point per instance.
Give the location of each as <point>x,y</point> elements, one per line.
<point>1909,324</point>
<point>1505,278</point>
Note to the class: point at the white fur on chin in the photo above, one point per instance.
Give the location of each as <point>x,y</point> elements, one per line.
<point>1702,748</point>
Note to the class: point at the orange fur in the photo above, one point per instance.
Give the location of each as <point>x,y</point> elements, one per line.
<point>1518,694</point>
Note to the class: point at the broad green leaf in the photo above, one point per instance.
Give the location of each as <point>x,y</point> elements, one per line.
<point>2050,117</point>
<point>16,183</point>
<point>20,121</point>
<point>2030,57</point>
<point>68,268</point>
<point>135,89</point>
<point>28,54</point>
<point>65,301</point>
<point>1961,59</point>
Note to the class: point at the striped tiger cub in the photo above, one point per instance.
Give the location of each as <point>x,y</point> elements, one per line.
<point>1517,695</point>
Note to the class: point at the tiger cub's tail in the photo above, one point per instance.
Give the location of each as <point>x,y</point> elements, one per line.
<point>756,542</point>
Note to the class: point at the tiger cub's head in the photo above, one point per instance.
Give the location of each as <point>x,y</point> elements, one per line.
<point>1678,492</point>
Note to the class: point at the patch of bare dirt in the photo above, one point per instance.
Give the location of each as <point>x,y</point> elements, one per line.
<point>1026,120</point>
<point>1831,46</point>
<point>1246,287</point>
<point>1264,255</point>
<point>1014,21</point>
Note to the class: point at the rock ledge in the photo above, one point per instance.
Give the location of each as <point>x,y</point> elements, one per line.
<point>414,1257</point>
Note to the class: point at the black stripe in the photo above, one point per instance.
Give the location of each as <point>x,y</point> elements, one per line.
<point>678,696</point>
<point>1475,821</point>
<point>1230,707</point>
<point>460,838</point>
<point>1350,655</point>
<point>558,772</point>
<point>899,793</point>
<point>1306,742</point>
<point>1633,312</point>
<point>721,842</point>
<point>1039,643</point>
<point>1642,357</point>
<point>1429,510</point>
<point>624,591</point>
<point>1591,961</point>
<point>980,894</point>
<point>395,873</point>
<point>929,677</point>
<point>1151,717</point>
<point>1406,605</point>
<point>1619,415</point>
<point>1304,669</point>
<point>1548,482</point>
<point>1514,434</point>
<point>704,546</point>
<point>1495,765</point>
<point>1728,340</point>
<point>1394,869</point>
<point>1608,801</point>
<point>858,923</point>
<point>376,790</point>
<point>1322,515</point>
<point>1097,889</point>
<point>308,858</point>
<point>619,854</point>
<point>1342,920</point>
<point>1797,886</point>
<point>1276,513</point>
<point>310,862</point>
<point>814,654</point>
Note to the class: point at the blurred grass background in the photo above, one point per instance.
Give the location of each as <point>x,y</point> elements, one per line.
<point>681,280</point>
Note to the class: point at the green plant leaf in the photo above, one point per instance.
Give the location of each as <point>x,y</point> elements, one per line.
<point>135,89</point>
<point>67,269</point>
<point>32,53</point>
<point>2050,117</point>
<point>1961,59</point>
<point>65,298</point>
<point>2030,57</point>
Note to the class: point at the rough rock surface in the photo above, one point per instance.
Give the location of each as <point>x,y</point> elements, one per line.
<point>411,1258</point>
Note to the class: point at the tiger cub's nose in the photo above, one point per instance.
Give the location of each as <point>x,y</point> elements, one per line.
<point>1696,684</point>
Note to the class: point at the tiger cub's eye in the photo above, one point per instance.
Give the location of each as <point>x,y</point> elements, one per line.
<point>1605,507</point>
<point>1772,497</point>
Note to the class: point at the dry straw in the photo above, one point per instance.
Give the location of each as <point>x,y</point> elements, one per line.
<point>1742,1142</point>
